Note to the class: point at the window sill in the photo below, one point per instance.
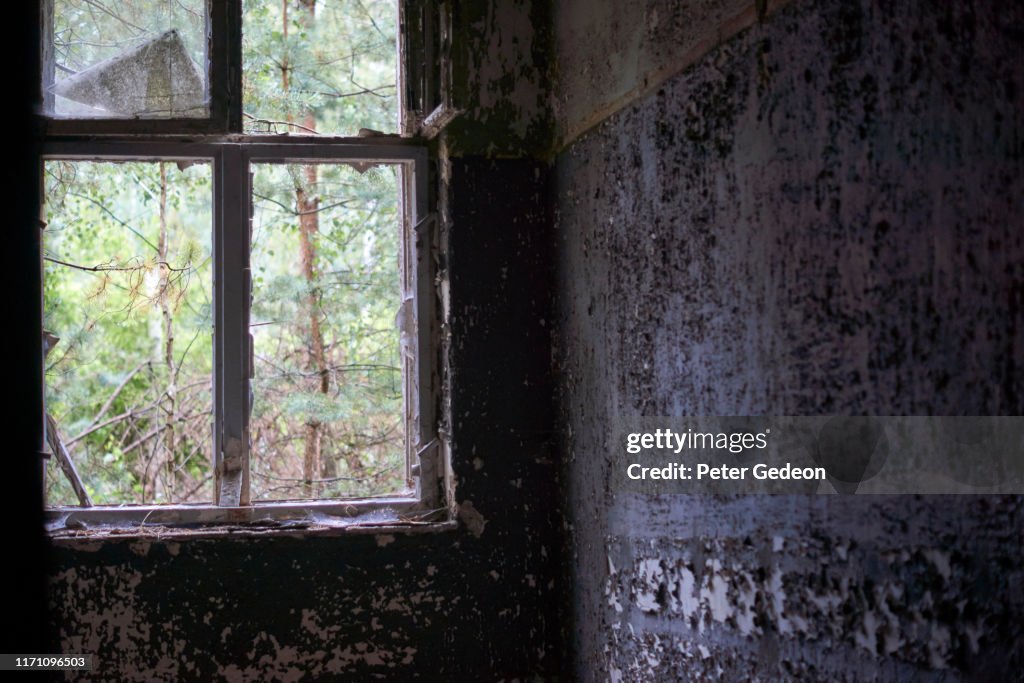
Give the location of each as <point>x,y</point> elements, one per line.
<point>71,525</point>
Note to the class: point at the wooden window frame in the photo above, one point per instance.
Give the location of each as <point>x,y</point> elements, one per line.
<point>219,142</point>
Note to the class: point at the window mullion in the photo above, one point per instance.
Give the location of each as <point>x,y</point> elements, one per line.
<point>226,57</point>
<point>232,344</point>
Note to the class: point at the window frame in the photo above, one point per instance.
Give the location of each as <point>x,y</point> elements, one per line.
<point>231,154</point>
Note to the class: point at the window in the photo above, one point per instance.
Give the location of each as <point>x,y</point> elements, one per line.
<point>239,293</point>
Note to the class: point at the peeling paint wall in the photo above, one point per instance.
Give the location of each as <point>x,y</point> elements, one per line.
<point>609,53</point>
<point>821,215</point>
<point>500,78</point>
<point>834,588</point>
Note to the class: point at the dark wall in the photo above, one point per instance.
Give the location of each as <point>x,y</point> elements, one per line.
<point>821,215</point>
<point>23,620</point>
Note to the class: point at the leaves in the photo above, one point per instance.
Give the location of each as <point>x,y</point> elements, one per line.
<point>103,284</point>
<point>356,293</point>
<point>341,65</point>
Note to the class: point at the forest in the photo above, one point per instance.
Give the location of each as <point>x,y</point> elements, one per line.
<point>128,279</point>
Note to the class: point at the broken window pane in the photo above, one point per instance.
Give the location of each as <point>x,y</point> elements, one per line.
<point>127,290</point>
<point>327,419</point>
<point>320,66</point>
<point>137,59</point>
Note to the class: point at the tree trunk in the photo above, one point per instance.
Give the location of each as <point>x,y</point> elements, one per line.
<point>306,206</point>
<point>168,350</point>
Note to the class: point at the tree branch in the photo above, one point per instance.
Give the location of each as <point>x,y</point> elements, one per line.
<point>113,397</point>
<point>108,268</point>
<point>111,214</point>
<point>93,3</point>
<point>280,123</point>
<point>106,423</point>
<point>293,212</point>
<point>364,91</point>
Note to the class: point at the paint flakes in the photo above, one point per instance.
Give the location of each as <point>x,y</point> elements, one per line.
<point>471,518</point>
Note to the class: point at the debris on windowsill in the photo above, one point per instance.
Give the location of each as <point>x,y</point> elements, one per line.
<point>66,527</point>
<point>373,133</point>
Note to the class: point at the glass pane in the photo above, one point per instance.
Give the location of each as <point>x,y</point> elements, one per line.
<point>127,59</point>
<point>127,291</point>
<point>320,66</point>
<point>327,419</point>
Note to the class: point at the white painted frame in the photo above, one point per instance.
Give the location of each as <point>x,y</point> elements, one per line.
<point>231,160</point>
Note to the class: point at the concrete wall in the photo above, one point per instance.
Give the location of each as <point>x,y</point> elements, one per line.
<point>819,215</point>
<point>610,53</point>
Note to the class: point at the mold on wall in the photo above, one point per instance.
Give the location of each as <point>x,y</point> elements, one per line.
<point>822,215</point>
<point>608,54</point>
<point>805,594</point>
<point>300,609</point>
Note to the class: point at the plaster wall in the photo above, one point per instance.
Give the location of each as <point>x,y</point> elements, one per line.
<point>819,215</point>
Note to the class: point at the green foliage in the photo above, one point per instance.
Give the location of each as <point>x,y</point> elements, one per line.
<point>339,60</point>
<point>105,291</point>
<point>89,31</point>
<point>355,293</point>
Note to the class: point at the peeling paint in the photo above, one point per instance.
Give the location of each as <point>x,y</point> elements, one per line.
<point>473,520</point>
<point>502,79</point>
